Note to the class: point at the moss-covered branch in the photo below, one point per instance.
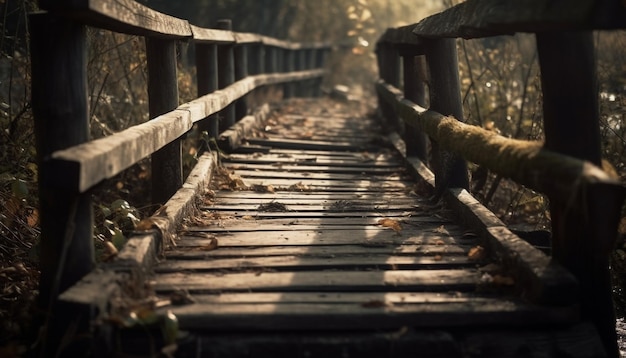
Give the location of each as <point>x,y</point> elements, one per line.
<point>526,162</point>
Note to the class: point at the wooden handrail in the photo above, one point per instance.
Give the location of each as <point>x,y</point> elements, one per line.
<point>91,162</point>
<point>123,16</point>
<point>585,203</point>
<point>483,18</point>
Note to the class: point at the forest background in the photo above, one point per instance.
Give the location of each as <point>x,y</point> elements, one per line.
<point>501,91</point>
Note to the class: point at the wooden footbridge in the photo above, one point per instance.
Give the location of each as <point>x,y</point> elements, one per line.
<point>317,230</point>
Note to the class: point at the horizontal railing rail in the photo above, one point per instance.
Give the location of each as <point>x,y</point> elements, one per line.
<point>585,202</point>
<point>230,66</point>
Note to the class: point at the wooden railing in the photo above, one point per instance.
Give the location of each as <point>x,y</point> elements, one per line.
<point>229,66</point>
<point>585,202</point>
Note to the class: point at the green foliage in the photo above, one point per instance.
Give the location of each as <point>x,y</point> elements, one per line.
<point>115,221</point>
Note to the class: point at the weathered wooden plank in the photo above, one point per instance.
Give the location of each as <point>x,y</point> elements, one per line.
<point>313,169</point>
<point>356,180</point>
<point>212,36</point>
<point>393,298</point>
<point>294,263</point>
<point>126,16</point>
<point>337,206</point>
<point>541,340</point>
<point>479,18</point>
<point>322,281</point>
<point>330,317</point>
<point>291,216</point>
<point>249,196</point>
<point>309,145</point>
<point>314,158</point>
<point>248,38</point>
<point>331,120</point>
<point>370,153</point>
<point>328,202</point>
<point>329,186</point>
<point>199,252</point>
<point>319,136</point>
<point>369,238</point>
<point>408,223</point>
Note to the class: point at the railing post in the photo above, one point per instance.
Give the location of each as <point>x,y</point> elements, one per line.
<point>320,59</point>
<point>289,67</point>
<point>271,64</point>
<point>167,172</point>
<point>301,66</point>
<point>59,100</point>
<point>445,97</point>
<point>241,72</point>
<point>257,54</point>
<point>226,73</point>
<point>206,69</point>
<point>310,64</point>
<point>415,91</point>
<point>388,72</point>
<point>583,226</point>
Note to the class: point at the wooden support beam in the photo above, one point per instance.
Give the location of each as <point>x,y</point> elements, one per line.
<point>241,72</point>
<point>583,225</point>
<point>301,65</point>
<point>59,100</point>
<point>445,97</point>
<point>226,73</point>
<point>206,70</point>
<point>386,111</point>
<point>167,170</point>
<point>415,91</point>
<point>290,66</point>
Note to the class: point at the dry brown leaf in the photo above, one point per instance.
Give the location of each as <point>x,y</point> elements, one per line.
<point>439,242</point>
<point>390,223</point>
<point>438,258</point>
<point>33,218</point>
<point>477,253</point>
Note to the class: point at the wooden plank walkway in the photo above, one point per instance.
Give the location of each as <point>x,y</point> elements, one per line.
<point>315,239</point>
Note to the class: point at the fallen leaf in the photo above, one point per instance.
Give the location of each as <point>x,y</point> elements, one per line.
<point>390,223</point>
<point>477,253</point>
